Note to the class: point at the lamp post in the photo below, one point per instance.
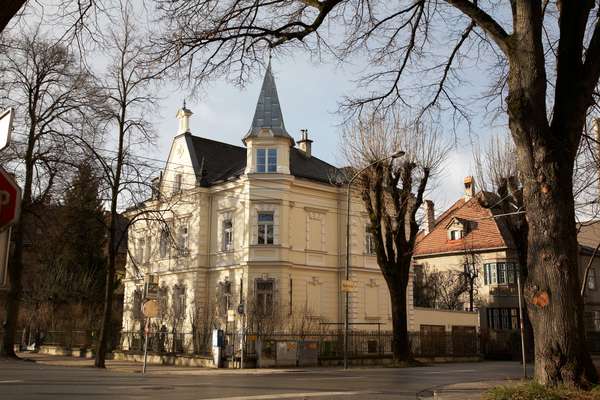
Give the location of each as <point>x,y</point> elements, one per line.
<point>397,154</point>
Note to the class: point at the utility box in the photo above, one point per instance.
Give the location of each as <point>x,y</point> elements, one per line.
<point>218,341</point>
<point>287,353</point>
<point>308,354</point>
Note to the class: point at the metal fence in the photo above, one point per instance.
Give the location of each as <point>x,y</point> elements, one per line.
<point>88,339</point>
<point>331,344</point>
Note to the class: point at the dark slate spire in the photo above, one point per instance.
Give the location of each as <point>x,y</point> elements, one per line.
<point>268,111</point>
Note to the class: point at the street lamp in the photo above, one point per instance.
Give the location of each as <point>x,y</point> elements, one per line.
<point>397,154</point>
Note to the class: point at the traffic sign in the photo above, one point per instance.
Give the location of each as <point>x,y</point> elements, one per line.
<point>150,309</point>
<point>230,315</point>
<point>6,121</point>
<point>10,199</point>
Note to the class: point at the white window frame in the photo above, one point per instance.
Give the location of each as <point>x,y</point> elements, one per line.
<point>164,245</point>
<point>456,234</point>
<point>183,236</point>
<point>177,183</point>
<point>266,226</point>
<point>227,234</point>
<point>369,241</point>
<point>264,305</point>
<point>269,157</point>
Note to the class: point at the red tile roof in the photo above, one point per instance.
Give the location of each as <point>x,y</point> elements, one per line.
<point>484,232</point>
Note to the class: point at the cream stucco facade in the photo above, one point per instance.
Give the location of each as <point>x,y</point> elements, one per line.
<point>270,238</point>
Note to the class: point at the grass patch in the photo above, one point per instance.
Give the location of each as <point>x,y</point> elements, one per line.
<point>535,391</point>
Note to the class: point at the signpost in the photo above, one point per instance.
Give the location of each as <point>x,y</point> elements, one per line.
<point>150,309</point>
<point>10,200</point>
<point>6,121</point>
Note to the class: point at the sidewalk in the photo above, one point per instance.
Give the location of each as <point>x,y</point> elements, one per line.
<point>464,391</point>
<point>133,367</point>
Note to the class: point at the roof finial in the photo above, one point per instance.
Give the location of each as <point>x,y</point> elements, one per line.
<point>184,103</point>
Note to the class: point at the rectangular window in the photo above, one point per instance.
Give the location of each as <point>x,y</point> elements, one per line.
<point>591,280</point>
<point>510,273</point>
<point>224,297</point>
<point>266,160</point>
<point>264,296</point>
<point>272,160</point>
<point>369,241</point>
<point>596,316</point>
<point>261,160</point>
<point>493,274</point>
<point>148,250</point>
<point>164,243</point>
<point>177,184</point>
<point>227,235</point>
<point>486,274</point>
<point>501,273</point>
<point>265,228</point>
<point>455,235</point>
<point>140,250</point>
<point>182,237</point>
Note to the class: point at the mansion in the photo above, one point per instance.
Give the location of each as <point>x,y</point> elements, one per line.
<point>260,227</point>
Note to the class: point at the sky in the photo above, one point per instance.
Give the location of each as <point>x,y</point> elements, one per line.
<point>309,93</point>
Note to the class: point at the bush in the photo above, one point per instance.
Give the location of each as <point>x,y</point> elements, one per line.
<point>535,391</point>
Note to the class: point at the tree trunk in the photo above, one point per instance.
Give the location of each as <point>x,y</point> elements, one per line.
<point>552,288</point>
<point>400,342</point>
<point>105,329</point>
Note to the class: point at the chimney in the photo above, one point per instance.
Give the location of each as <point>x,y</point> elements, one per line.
<point>469,188</point>
<point>305,144</point>
<point>429,216</point>
<point>183,115</point>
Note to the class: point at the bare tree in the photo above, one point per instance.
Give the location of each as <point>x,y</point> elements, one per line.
<point>43,81</point>
<point>470,275</point>
<point>128,97</point>
<point>544,63</point>
<point>392,193</point>
<point>442,290</point>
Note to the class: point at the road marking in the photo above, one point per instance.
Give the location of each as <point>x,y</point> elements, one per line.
<point>459,371</point>
<point>286,396</point>
<point>12,381</point>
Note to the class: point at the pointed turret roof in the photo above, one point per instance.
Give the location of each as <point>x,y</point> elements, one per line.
<point>268,111</point>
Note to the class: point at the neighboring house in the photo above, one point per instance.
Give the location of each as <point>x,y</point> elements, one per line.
<point>261,225</point>
<point>468,235</point>
<point>589,244</point>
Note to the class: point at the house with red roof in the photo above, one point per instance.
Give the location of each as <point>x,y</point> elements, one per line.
<point>473,240</point>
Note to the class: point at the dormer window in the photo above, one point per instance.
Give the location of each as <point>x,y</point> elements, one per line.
<point>456,234</point>
<point>266,160</point>
<point>457,228</point>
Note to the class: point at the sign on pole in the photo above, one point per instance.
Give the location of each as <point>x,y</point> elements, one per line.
<point>10,200</point>
<point>4,253</point>
<point>6,121</point>
<point>230,315</point>
<point>150,309</point>
<point>347,285</point>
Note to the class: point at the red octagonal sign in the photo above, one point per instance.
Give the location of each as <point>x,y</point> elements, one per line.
<point>10,199</point>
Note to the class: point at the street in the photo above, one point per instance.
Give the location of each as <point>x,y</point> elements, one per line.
<point>30,380</point>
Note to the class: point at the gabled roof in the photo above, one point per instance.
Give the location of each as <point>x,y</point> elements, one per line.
<point>268,113</point>
<point>485,232</point>
<point>217,162</point>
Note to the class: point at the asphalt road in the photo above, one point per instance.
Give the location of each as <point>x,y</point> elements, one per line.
<point>29,380</point>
